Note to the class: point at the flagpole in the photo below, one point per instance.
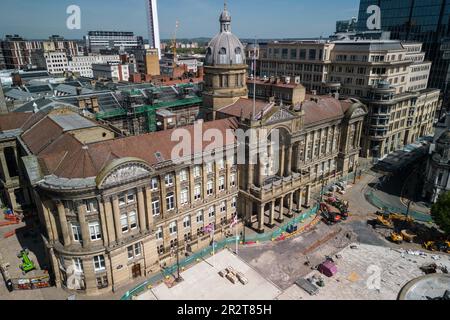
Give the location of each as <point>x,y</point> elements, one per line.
<point>237,239</point>
<point>254,80</point>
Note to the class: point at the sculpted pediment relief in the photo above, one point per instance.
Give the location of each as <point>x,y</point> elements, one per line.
<point>280,115</point>
<point>130,172</point>
<point>122,171</point>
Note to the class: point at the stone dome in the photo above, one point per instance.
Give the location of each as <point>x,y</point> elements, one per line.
<point>225,48</point>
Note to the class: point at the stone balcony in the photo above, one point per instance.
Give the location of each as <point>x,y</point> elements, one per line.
<point>279,186</point>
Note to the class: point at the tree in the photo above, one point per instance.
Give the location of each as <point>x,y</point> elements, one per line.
<point>440,211</point>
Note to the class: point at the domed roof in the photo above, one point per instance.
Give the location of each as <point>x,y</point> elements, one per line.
<point>225,48</point>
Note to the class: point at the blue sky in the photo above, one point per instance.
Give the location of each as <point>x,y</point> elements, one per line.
<point>198,18</point>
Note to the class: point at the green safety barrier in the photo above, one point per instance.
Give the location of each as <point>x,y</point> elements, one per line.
<point>198,256</point>
<point>377,202</point>
<point>219,245</point>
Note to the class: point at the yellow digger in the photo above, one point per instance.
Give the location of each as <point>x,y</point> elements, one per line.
<point>396,237</point>
<point>443,246</point>
<point>404,235</point>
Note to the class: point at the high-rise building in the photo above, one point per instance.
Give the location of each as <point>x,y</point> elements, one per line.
<point>3,108</point>
<point>153,26</point>
<point>423,21</point>
<point>346,25</point>
<point>115,41</point>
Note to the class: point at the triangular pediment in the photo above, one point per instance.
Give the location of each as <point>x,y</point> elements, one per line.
<point>279,116</point>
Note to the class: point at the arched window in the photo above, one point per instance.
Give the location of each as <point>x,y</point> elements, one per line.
<point>223,56</point>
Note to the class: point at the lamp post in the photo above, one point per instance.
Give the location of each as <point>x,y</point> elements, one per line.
<point>356,171</point>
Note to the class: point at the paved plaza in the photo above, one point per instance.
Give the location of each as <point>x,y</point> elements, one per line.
<point>202,282</point>
<point>358,269</point>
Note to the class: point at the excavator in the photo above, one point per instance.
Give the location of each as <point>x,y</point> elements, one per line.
<point>342,206</point>
<point>330,217</point>
<point>443,246</point>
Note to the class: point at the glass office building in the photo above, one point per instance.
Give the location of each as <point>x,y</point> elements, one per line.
<point>426,21</point>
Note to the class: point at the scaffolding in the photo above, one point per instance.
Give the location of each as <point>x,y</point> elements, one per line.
<point>143,104</point>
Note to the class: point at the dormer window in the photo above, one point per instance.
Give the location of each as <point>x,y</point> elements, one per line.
<point>238,53</point>
<point>223,56</point>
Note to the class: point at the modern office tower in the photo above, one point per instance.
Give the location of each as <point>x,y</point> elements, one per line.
<point>153,26</point>
<point>97,41</point>
<point>423,21</point>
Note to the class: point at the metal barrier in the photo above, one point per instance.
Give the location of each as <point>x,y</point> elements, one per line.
<point>196,257</point>
<point>377,202</point>
<point>265,237</point>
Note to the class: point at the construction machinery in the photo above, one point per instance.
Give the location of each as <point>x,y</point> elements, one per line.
<point>27,264</point>
<point>330,217</point>
<point>387,219</point>
<point>341,205</point>
<point>443,246</point>
<point>396,237</point>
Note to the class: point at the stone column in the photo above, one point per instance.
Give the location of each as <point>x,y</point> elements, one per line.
<point>4,165</point>
<point>280,215</point>
<point>103,223</point>
<point>289,161</point>
<point>251,174</point>
<point>109,218</point>
<point>141,210</point>
<point>282,160</point>
<point>272,214</point>
<point>149,209</point>
<point>116,212</point>
<point>85,235</point>
<point>52,233</point>
<point>299,199</point>
<point>308,196</point>
<point>63,223</point>
<point>261,219</point>
<point>191,185</point>
<point>291,200</point>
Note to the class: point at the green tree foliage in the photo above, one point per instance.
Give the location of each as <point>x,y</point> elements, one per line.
<point>440,212</point>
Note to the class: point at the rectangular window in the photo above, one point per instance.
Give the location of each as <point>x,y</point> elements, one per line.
<point>91,205</point>
<point>187,222</point>
<point>124,223</point>
<point>99,263</point>
<point>78,265</point>
<point>133,220</point>
<point>197,192</point>
<point>210,187</point>
<point>223,207</point>
<point>211,212</point>
<point>221,183</point>
<point>122,200</point>
<point>209,167</point>
<point>312,54</point>
<point>94,230</point>
<point>159,233</point>
<point>154,184</point>
<point>197,171</point>
<point>234,203</point>
<point>173,228</point>
<point>76,230</point>
<point>130,197</point>
<point>156,209</point>
<point>168,179</point>
<point>220,164</point>
<point>170,201</point>
<point>200,217</point>
<point>233,180</point>
<point>184,199</point>
<point>183,175</point>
